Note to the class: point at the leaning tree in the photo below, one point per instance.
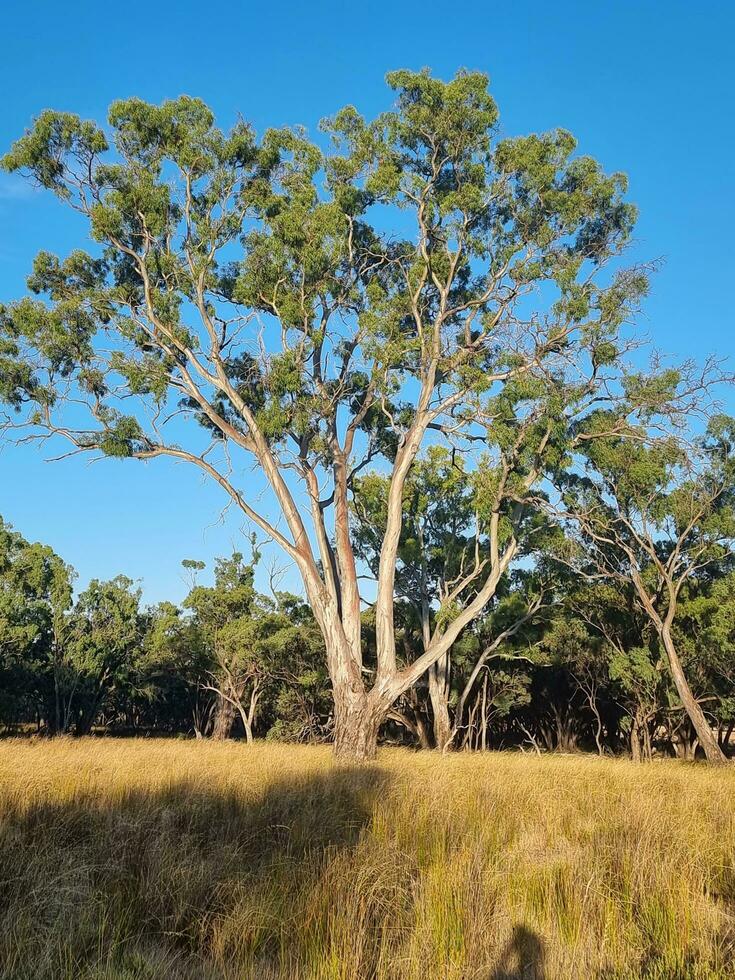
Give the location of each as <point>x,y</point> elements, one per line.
<point>658,514</point>
<point>313,311</point>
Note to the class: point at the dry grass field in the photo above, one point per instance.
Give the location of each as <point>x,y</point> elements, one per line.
<point>157,859</point>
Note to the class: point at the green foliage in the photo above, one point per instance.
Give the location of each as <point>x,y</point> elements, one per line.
<point>104,636</point>
<point>35,594</point>
<point>168,195</point>
<point>102,659</point>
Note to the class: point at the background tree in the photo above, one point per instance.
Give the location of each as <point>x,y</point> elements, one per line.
<point>588,671</point>
<point>104,637</point>
<point>67,666</point>
<point>297,702</point>
<point>704,632</point>
<point>224,617</point>
<point>170,674</point>
<point>35,596</point>
<point>23,626</point>
<point>657,515</point>
<point>435,549</point>
<point>492,659</point>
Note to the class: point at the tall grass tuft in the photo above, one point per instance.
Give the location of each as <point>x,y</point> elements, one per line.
<point>155,860</point>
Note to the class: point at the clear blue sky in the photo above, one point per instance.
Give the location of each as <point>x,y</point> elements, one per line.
<point>647,87</point>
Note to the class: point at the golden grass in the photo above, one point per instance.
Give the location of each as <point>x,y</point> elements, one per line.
<point>160,859</point>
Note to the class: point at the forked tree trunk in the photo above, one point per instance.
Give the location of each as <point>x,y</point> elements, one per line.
<point>702,727</point>
<point>248,717</point>
<point>358,714</point>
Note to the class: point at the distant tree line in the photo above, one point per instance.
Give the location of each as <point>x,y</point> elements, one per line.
<point>230,662</point>
<point>567,656</point>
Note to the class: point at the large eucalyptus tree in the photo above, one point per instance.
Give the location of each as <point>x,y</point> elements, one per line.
<point>312,312</point>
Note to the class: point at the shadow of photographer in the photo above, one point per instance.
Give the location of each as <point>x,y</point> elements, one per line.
<point>522,958</point>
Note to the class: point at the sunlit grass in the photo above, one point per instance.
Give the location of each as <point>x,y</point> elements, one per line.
<point>171,859</point>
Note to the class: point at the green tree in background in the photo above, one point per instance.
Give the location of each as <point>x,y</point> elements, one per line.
<point>657,515</point>
<point>105,634</point>
<point>224,618</point>
<point>260,655</point>
<point>170,673</point>
<point>35,599</point>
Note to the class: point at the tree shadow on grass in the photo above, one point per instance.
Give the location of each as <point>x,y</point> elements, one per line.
<point>522,958</point>
<point>176,882</point>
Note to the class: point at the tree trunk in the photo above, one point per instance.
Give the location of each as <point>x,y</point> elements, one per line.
<point>57,700</point>
<point>647,744</point>
<point>414,723</point>
<point>725,733</point>
<point>356,724</point>
<point>470,733</point>
<point>707,740</point>
<point>598,732</point>
<point>589,689</point>
<point>483,743</point>
<point>439,695</point>
<point>223,719</point>
<point>635,741</point>
<point>422,733</point>
<point>422,722</point>
<point>84,722</point>
<point>248,717</point>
